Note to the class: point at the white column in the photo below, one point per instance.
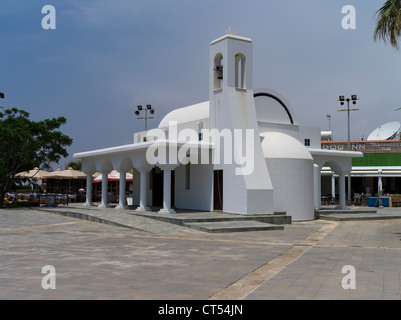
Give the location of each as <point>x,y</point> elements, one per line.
<point>379,188</point>
<point>122,186</point>
<point>144,174</point>
<point>341,184</point>
<point>317,186</point>
<point>167,189</point>
<point>104,203</point>
<point>379,182</point>
<point>349,187</point>
<point>333,186</point>
<point>88,202</point>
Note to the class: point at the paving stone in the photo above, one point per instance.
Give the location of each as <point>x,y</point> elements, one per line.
<point>153,259</point>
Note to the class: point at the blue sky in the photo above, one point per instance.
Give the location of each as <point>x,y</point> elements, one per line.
<point>105,57</point>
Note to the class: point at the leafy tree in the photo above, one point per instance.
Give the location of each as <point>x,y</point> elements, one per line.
<point>388,26</point>
<point>76,165</point>
<point>26,144</point>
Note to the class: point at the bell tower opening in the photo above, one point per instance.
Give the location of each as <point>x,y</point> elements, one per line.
<point>240,71</point>
<point>218,71</point>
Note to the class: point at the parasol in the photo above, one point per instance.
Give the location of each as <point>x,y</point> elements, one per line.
<point>35,173</point>
<point>113,176</point>
<point>66,174</point>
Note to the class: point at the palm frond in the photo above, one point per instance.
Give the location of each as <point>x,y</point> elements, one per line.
<point>388,27</point>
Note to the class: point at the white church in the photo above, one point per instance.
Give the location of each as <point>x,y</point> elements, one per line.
<point>241,152</point>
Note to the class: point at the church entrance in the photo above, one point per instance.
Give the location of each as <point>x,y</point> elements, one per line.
<point>157,187</point>
<point>218,190</point>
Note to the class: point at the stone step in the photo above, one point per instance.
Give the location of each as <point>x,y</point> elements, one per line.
<point>358,216</point>
<point>344,211</point>
<point>182,219</point>
<point>233,226</point>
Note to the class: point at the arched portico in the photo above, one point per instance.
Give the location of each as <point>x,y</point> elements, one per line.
<point>135,157</point>
<point>341,164</point>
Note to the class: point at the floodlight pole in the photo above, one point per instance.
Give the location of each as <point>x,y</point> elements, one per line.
<point>2,97</point>
<point>151,110</point>
<point>354,98</point>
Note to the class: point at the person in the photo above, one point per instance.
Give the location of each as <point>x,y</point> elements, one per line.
<point>81,193</point>
<point>367,190</point>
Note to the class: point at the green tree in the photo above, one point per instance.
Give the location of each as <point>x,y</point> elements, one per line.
<point>25,144</point>
<point>388,27</point>
<point>76,165</point>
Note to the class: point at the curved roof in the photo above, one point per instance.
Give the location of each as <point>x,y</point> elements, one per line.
<point>272,107</point>
<point>279,145</point>
<point>192,113</point>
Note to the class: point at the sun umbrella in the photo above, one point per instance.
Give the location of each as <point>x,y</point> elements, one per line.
<point>35,173</point>
<point>66,174</point>
<point>113,176</point>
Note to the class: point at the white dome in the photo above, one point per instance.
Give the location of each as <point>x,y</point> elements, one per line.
<point>279,145</point>
<point>290,165</point>
<point>192,113</point>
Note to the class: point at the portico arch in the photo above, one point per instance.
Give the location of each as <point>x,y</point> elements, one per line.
<point>106,166</point>
<point>329,184</point>
<point>88,166</point>
<point>124,164</point>
<point>341,165</point>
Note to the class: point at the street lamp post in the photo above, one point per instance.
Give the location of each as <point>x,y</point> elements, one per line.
<point>151,111</point>
<point>342,100</point>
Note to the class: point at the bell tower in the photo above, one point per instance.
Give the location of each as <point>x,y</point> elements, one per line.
<point>232,108</point>
<point>231,63</point>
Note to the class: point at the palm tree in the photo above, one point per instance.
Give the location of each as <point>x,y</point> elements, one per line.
<point>388,26</point>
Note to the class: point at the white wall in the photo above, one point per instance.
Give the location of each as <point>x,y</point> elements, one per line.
<point>136,187</point>
<point>200,194</point>
<point>293,187</point>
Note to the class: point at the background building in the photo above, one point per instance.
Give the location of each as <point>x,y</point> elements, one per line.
<point>379,168</point>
